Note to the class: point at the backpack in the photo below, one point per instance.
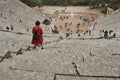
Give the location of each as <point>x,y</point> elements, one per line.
<point>36,36</point>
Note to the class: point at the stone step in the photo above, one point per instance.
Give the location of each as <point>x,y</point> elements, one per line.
<point>5,55</point>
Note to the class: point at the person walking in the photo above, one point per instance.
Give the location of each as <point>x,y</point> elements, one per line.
<point>106,34</point>
<point>37,39</point>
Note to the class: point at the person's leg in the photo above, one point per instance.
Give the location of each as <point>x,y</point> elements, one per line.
<point>34,47</point>
<point>42,46</point>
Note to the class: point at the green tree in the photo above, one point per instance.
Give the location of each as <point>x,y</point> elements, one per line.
<point>111,3</point>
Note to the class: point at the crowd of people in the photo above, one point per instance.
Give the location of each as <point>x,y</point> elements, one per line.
<point>109,34</point>
<point>7,28</point>
<point>37,31</point>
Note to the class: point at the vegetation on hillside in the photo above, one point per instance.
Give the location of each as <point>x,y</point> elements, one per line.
<point>115,4</point>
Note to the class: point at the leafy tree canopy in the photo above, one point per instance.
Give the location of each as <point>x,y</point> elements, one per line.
<point>115,4</point>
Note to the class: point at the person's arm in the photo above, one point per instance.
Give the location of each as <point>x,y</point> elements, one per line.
<point>41,31</point>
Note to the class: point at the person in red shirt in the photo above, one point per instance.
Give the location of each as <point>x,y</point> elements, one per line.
<point>39,31</point>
